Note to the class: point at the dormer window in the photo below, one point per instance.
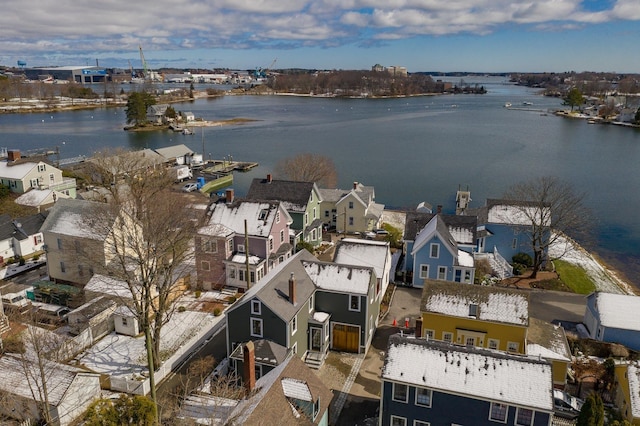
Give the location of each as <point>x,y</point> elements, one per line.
<point>263,214</point>
<point>473,310</point>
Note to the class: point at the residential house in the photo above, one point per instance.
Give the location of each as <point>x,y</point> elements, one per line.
<point>20,237</point>
<point>24,174</point>
<point>70,390</point>
<point>308,307</point>
<point>505,226</point>
<point>96,314</point>
<point>235,230</point>
<point>176,154</point>
<point>358,252</point>
<point>40,199</point>
<point>300,199</point>
<point>613,318</point>
<point>290,394</point>
<point>156,113</point>
<point>433,253</point>
<point>426,382</point>
<point>627,388</point>
<point>549,341</point>
<point>351,211</point>
<point>484,316</point>
<point>73,250</point>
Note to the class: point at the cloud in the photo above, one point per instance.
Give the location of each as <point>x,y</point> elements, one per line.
<point>117,26</point>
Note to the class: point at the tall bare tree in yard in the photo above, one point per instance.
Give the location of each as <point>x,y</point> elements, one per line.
<point>308,168</point>
<point>148,236</point>
<point>550,210</point>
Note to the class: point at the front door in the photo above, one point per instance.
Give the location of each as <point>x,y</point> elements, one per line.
<point>316,339</point>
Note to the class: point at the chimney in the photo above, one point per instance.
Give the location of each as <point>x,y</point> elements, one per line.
<point>13,155</point>
<point>249,367</point>
<point>418,327</point>
<point>355,185</point>
<point>228,195</point>
<point>292,289</point>
<point>439,209</point>
<point>269,178</point>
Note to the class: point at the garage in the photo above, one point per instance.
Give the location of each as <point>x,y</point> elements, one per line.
<point>346,338</point>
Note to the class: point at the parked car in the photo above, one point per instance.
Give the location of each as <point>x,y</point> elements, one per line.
<point>190,187</point>
<point>17,303</point>
<point>565,405</point>
<point>52,314</point>
<point>381,231</point>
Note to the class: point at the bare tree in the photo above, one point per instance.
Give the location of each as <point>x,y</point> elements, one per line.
<point>549,209</point>
<point>148,236</point>
<point>308,168</point>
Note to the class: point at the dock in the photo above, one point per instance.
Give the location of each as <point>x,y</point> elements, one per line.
<point>224,166</point>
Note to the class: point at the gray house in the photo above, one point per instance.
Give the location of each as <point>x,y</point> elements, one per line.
<point>308,307</point>
<point>614,318</point>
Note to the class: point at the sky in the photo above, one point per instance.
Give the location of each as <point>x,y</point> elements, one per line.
<point>421,35</point>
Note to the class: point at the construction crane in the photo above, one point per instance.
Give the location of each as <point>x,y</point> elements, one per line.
<point>262,72</point>
<point>145,69</point>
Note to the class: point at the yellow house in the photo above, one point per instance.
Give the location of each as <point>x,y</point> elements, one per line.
<point>628,391</point>
<point>549,341</point>
<point>465,314</point>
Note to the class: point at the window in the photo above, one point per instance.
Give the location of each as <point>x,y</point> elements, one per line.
<point>252,276</point>
<point>351,220</point>
<point>314,212</point>
<point>306,219</point>
<point>423,397</point>
<point>209,246</point>
<point>457,276</point>
<point>420,423</point>
<point>398,421</point>
<point>313,235</point>
<point>270,243</point>
<point>204,265</point>
<point>400,392</point>
<point>470,341</point>
<point>494,343</point>
<point>424,271</point>
<point>311,303</point>
<point>354,303</point>
<point>514,243</point>
<point>240,248</point>
<point>326,213</point>
<point>467,276</point>
<point>294,348</point>
<point>241,274</point>
<point>294,325</point>
<point>428,334</point>
<point>42,167</point>
<point>52,178</point>
<point>63,269</point>
<point>124,322</point>
<point>434,250</point>
<point>498,412</point>
<point>350,204</point>
<point>258,370</point>
<point>263,214</point>
<point>316,408</point>
<point>256,327</point>
<point>59,244</point>
<point>524,417</point>
<point>230,242</point>
<point>447,337</point>
<point>282,235</point>
<point>473,310</point>
<point>256,307</point>
<point>512,346</point>
<point>442,272</point>
<point>278,216</point>
<point>232,273</point>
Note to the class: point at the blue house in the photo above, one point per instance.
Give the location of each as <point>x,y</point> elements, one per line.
<point>431,383</point>
<point>614,318</point>
<point>434,254</point>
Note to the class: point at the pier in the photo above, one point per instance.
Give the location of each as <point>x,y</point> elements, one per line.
<point>228,166</point>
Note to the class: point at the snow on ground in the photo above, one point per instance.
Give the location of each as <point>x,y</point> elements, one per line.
<point>119,355</point>
<point>605,279</point>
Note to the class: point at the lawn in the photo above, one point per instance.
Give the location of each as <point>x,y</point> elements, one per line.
<point>574,277</point>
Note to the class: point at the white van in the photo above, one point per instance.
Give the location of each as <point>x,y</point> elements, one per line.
<point>52,314</point>
<point>14,302</point>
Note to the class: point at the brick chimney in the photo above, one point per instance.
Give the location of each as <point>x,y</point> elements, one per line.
<point>439,209</point>
<point>355,185</point>
<point>228,195</point>
<point>418,327</point>
<point>13,155</point>
<point>292,289</point>
<point>269,178</point>
<point>249,367</point>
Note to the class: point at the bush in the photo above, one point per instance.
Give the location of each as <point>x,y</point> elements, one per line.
<point>198,293</point>
<point>304,245</point>
<point>523,259</point>
<point>21,261</point>
<point>181,309</point>
<point>217,312</point>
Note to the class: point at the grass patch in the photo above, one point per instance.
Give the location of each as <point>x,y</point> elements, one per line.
<point>574,277</point>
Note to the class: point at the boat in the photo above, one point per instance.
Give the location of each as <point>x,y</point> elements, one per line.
<point>507,105</point>
<point>186,131</point>
<point>527,103</point>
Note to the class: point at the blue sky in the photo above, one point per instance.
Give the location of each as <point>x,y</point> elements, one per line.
<point>422,35</point>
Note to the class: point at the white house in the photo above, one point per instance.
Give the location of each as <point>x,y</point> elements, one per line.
<point>22,175</point>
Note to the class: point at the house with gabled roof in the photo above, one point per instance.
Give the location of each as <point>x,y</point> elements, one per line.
<point>434,254</point>
<point>549,341</point>
<point>302,201</point>
<point>427,382</point>
<point>484,316</point>
<point>359,252</point>
<point>308,307</point>
<point>70,390</point>
<point>627,391</point>
<point>221,247</point>
<point>613,318</point>
<point>40,199</point>
<point>351,210</point>
<point>24,174</point>
<point>176,154</point>
<point>21,236</point>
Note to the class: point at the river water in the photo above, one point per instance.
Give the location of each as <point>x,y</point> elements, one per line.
<point>411,149</point>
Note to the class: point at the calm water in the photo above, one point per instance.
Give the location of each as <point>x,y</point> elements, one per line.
<point>411,150</point>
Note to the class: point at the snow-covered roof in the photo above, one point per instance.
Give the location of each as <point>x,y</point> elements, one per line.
<point>320,316</point>
<point>465,259</point>
<point>17,171</point>
<point>59,377</point>
<point>475,372</point>
<point>516,213</point>
<point>259,215</point>
<point>351,251</point>
<point>493,303</point>
<point>108,286</point>
<point>37,197</point>
<point>340,278</point>
<point>618,310</point>
<point>242,258</point>
<point>173,152</point>
<point>547,340</point>
<point>633,374</point>
<point>72,217</point>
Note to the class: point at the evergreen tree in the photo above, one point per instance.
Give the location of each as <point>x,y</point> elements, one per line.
<point>574,98</point>
<point>137,105</point>
<point>592,412</point>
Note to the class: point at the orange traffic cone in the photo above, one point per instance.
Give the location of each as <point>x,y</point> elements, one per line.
<point>406,323</point>
<point>395,323</point>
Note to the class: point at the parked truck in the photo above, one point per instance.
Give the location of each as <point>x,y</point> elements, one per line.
<point>183,173</point>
